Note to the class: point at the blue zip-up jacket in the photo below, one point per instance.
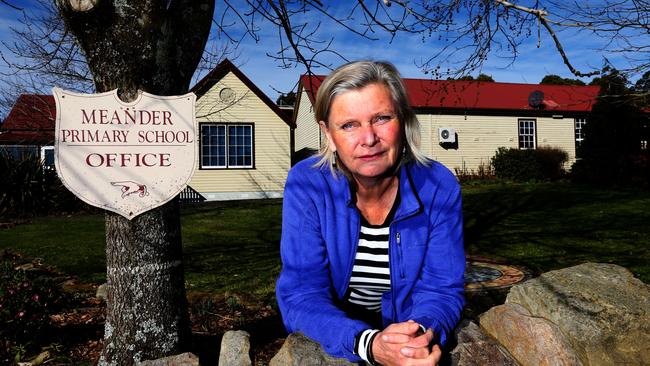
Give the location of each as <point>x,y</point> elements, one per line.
<point>320,232</point>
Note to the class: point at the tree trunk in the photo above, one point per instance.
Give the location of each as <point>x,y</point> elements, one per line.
<point>154,46</point>
<point>146,309</point>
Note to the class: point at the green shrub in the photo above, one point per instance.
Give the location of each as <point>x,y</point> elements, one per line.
<point>28,188</point>
<point>517,165</point>
<point>551,161</point>
<point>601,167</point>
<point>22,186</point>
<point>26,303</point>
<point>544,163</point>
<point>483,173</point>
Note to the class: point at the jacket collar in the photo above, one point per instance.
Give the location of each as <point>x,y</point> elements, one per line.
<point>410,203</point>
<point>410,200</point>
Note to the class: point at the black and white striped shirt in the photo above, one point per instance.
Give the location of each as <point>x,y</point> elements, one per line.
<point>371,273</point>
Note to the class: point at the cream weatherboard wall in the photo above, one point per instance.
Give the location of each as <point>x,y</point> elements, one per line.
<point>272,155</point>
<point>480,136</point>
<point>307,133</point>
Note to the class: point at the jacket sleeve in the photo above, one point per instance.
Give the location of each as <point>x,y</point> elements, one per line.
<point>438,297</point>
<point>304,289</point>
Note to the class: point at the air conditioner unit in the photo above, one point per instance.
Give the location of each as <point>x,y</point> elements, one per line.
<point>446,135</point>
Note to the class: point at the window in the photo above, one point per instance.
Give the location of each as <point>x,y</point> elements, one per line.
<point>20,152</point>
<point>47,155</point>
<point>580,132</point>
<point>226,146</point>
<point>526,133</point>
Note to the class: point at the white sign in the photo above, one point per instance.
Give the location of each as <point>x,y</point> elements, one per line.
<point>125,157</point>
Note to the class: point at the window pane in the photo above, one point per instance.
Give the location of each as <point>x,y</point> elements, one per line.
<point>240,146</point>
<point>212,145</point>
<point>526,134</point>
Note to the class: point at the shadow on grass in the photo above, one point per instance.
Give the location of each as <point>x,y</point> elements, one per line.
<point>550,226</point>
<point>233,246</point>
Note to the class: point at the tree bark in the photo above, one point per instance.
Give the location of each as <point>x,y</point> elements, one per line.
<point>146,307</point>
<point>154,46</point>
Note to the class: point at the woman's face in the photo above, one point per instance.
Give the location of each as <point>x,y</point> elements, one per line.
<point>364,130</point>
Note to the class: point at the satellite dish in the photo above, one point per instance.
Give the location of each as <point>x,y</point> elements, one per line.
<point>536,99</point>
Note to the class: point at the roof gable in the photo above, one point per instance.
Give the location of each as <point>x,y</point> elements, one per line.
<point>213,77</point>
<point>30,121</point>
<point>31,112</point>
<point>486,96</point>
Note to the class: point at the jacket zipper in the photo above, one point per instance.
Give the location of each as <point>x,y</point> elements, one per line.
<point>399,252</point>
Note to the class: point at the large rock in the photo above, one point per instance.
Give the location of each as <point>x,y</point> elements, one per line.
<point>184,359</point>
<point>102,292</point>
<point>533,341</point>
<point>299,350</point>
<point>475,348</point>
<point>235,349</point>
<point>601,308</point>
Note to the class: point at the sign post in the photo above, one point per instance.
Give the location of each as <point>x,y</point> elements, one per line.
<point>125,157</point>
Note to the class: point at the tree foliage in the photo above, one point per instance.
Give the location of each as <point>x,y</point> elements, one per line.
<point>480,77</point>
<point>613,150</point>
<point>558,80</point>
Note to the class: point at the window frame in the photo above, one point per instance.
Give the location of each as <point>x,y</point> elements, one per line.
<point>582,121</point>
<point>534,134</point>
<point>227,126</point>
<point>44,150</point>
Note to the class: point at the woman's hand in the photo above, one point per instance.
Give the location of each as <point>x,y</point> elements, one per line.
<point>403,344</point>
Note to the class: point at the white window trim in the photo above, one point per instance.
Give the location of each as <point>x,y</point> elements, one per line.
<point>43,150</point>
<point>227,157</point>
<point>583,122</point>
<point>534,133</point>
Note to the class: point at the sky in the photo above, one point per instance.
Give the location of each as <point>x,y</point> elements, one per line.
<point>532,64</point>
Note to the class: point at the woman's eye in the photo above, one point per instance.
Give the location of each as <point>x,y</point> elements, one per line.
<point>384,118</point>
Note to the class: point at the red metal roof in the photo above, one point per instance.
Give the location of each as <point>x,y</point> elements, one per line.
<point>487,96</point>
<point>30,121</point>
<point>32,118</point>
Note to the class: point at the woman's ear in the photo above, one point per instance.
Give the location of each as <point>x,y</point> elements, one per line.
<point>326,131</point>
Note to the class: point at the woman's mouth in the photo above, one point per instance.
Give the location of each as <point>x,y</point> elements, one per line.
<point>370,156</point>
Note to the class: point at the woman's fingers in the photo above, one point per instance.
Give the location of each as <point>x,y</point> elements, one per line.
<point>411,352</point>
<point>423,340</point>
<point>396,338</point>
<point>431,359</point>
<point>408,327</point>
<point>404,344</point>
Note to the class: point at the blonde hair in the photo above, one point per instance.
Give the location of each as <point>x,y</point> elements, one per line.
<point>357,75</point>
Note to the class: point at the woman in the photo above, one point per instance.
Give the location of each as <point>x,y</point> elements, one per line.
<point>372,241</point>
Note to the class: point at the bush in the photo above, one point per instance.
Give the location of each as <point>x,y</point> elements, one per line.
<point>544,163</point>
<point>484,173</point>
<point>551,161</point>
<point>25,306</point>
<point>604,168</point>
<point>29,188</point>
<point>22,185</point>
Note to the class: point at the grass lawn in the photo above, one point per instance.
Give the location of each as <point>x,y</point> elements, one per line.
<point>235,245</point>
<point>551,226</point>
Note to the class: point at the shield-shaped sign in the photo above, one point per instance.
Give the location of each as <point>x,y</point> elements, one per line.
<point>125,157</point>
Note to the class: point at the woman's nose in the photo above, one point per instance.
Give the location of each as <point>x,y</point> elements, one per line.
<point>368,135</point>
